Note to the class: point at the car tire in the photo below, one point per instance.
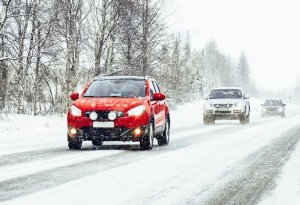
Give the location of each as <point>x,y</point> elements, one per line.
<point>146,142</point>
<point>243,119</point>
<point>206,120</point>
<point>75,144</point>
<point>97,142</point>
<point>248,118</point>
<point>164,139</point>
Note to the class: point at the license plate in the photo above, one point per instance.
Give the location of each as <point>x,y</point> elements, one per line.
<point>223,109</point>
<point>103,124</point>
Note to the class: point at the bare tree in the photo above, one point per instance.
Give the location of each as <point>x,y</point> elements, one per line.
<point>4,13</point>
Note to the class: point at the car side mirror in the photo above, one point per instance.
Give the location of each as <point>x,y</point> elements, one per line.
<point>284,104</point>
<point>158,96</point>
<point>246,97</point>
<point>74,96</point>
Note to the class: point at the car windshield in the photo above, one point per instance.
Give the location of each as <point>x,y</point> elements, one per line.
<point>125,88</point>
<point>225,93</point>
<point>272,103</point>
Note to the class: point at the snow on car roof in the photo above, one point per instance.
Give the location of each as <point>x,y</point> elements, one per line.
<point>223,88</point>
<point>121,77</point>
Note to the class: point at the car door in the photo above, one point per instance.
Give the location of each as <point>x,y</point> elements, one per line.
<point>161,115</point>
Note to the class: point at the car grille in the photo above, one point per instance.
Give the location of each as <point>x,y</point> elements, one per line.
<point>102,115</point>
<point>272,109</point>
<point>222,112</point>
<point>109,132</point>
<point>223,105</point>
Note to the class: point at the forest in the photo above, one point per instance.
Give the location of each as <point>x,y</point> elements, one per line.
<point>51,48</point>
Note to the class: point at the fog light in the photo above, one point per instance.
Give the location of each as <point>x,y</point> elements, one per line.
<point>137,131</point>
<point>112,115</point>
<point>93,116</point>
<point>73,131</point>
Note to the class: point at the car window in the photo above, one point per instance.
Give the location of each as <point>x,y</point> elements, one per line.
<point>156,87</point>
<point>225,93</point>
<point>152,90</point>
<point>116,88</point>
<point>273,103</point>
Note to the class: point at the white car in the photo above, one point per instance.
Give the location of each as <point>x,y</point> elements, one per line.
<point>226,103</point>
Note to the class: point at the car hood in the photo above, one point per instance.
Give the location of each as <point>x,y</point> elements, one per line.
<point>118,104</point>
<point>224,101</point>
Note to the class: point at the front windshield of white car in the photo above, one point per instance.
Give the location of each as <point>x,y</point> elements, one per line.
<point>225,93</point>
<point>272,103</point>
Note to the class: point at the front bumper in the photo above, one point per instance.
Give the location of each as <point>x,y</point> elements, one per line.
<point>107,134</point>
<point>272,113</point>
<point>228,114</point>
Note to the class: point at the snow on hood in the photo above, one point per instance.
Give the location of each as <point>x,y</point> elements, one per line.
<point>120,104</point>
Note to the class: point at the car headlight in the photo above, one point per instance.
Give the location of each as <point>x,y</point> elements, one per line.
<point>280,109</point>
<point>208,105</point>
<point>75,111</point>
<point>137,111</point>
<point>264,109</point>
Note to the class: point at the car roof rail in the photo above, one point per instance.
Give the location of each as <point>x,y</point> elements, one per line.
<point>108,74</point>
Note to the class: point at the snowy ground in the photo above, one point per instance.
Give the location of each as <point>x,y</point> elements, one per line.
<point>225,163</point>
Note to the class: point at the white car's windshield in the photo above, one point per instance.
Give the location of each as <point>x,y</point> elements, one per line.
<point>272,103</point>
<point>225,93</point>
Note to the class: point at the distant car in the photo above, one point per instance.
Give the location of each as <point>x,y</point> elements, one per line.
<point>273,107</point>
<point>119,108</point>
<point>226,103</point>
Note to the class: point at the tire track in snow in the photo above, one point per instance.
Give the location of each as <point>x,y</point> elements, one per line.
<point>249,181</point>
<point>20,186</point>
<point>49,178</point>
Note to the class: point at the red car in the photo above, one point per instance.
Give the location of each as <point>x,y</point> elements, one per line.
<point>119,108</point>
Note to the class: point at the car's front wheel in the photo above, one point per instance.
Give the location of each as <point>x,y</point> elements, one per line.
<point>165,137</point>
<point>207,120</point>
<point>75,144</point>
<point>243,118</point>
<point>146,142</point>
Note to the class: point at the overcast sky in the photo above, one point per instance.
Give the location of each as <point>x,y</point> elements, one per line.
<point>268,31</point>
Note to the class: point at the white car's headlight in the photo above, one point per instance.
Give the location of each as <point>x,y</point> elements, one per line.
<point>75,111</point>
<point>208,105</point>
<point>137,111</point>
<point>280,109</point>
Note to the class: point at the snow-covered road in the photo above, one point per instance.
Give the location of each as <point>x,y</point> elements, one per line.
<point>225,163</point>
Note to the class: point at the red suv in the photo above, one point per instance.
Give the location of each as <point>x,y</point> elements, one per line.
<point>119,108</point>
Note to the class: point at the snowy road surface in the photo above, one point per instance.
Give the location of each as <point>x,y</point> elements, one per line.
<point>225,163</point>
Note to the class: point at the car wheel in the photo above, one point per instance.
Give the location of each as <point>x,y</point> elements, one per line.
<point>165,138</point>
<point>206,120</point>
<point>146,142</point>
<point>243,118</point>
<point>75,144</point>
<point>97,142</point>
<point>248,118</point>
